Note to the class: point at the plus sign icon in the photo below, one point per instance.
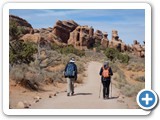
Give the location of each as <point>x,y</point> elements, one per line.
<point>147,99</point>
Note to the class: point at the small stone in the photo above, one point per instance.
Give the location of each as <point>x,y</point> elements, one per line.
<point>36,101</point>
<point>20,105</point>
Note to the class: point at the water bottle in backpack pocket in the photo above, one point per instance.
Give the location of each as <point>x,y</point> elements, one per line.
<point>70,70</point>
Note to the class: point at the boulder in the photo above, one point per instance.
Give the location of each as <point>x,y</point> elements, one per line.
<point>31,37</point>
<point>20,105</point>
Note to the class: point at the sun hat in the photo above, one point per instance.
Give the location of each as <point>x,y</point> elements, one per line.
<point>72,60</point>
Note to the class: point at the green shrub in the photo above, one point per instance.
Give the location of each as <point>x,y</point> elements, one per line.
<point>70,49</point>
<point>111,53</point>
<point>54,46</point>
<point>22,52</point>
<point>123,58</point>
<point>114,54</point>
<point>67,50</point>
<point>15,31</point>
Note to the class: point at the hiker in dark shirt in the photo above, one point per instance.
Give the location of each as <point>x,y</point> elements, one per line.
<point>106,73</point>
<point>71,76</point>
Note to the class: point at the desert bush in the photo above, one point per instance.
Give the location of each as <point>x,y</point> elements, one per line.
<point>16,75</point>
<point>121,79</point>
<point>132,90</point>
<point>56,47</point>
<point>67,50</point>
<point>70,49</point>
<point>21,52</point>
<point>124,58</point>
<point>80,67</point>
<point>128,90</point>
<point>17,72</point>
<point>111,53</point>
<point>15,31</point>
<point>114,67</point>
<point>114,54</point>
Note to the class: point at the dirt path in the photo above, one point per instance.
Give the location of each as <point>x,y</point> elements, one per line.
<point>86,96</point>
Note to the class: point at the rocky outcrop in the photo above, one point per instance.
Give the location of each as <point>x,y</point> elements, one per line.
<point>69,32</point>
<point>105,41</point>
<point>19,22</point>
<point>116,42</point>
<point>98,35</point>
<point>31,37</point>
<point>82,37</point>
<point>62,29</point>
<point>138,49</point>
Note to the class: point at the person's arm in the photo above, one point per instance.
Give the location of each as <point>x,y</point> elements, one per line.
<point>76,72</point>
<point>65,69</point>
<point>101,70</point>
<point>110,71</point>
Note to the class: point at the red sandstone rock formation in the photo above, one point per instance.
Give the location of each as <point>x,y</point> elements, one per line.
<point>116,42</point>
<point>21,22</point>
<point>82,37</point>
<point>138,49</point>
<point>105,41</point>
<point>62,29</point>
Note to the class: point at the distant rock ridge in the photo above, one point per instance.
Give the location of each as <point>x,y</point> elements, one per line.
<point>81,37</point>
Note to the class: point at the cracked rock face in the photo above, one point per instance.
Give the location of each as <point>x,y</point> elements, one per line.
<point>62,29</point>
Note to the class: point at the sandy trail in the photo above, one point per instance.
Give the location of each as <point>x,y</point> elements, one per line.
<point>86,96</point>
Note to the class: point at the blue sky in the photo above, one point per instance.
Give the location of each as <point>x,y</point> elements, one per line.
<point>130,23</point>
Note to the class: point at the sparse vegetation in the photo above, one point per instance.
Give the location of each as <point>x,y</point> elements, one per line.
<point>140,78</point>
<point>67,50</point>
<point>114,54</point>
<point>15,31</point>
<point>22,52</point>
<point>132,90</point>
<point>122,83</point>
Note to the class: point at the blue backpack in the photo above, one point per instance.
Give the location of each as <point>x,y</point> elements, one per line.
<point>70,70</point>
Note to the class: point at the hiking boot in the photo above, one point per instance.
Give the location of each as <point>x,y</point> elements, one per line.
<point>72,94</point>
<point>107,97</point>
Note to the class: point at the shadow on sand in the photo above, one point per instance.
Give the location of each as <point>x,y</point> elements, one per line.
<point>83,94</point>
<point>114,97</point>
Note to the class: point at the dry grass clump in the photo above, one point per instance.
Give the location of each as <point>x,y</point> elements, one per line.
<point>136,64</point>
<point>140,78</point>
<point>125,87</point>
<point>132,90</point>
